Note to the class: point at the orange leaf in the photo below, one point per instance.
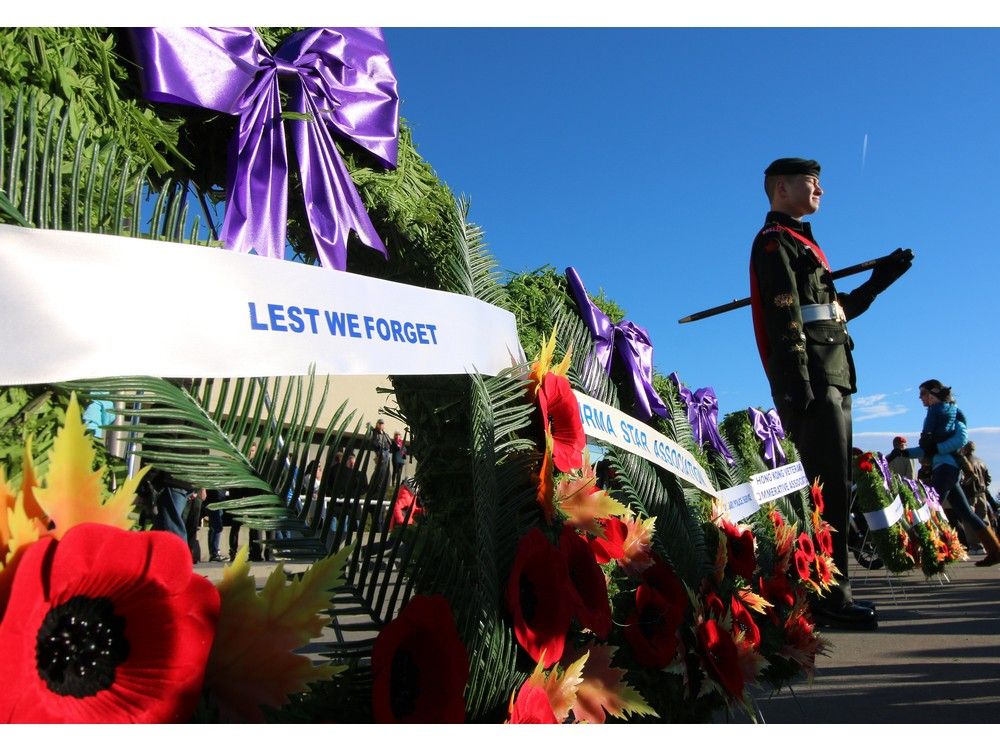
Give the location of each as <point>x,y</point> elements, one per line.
<point>636,555</point>
<point>603,691</point>
<point>561,688</point>
<point>72,492</point>
<point>584,504</point>
<point>252,662</point>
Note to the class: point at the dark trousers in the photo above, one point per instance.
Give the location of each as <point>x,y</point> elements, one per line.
<point>823,436</point>
<point>945,481</point>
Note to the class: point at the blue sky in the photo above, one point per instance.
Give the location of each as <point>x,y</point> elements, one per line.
<point>636,155</point>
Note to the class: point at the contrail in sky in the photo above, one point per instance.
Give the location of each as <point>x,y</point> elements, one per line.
<point>864,152</point>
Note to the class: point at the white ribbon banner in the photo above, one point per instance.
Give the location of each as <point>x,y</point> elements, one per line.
<point>619,429</point>
<point>922,514</point>
<point>886,517</point>
<point>769,485</point>
<point>739,501</point>
<point>746,499</point>
<point>77,305</point>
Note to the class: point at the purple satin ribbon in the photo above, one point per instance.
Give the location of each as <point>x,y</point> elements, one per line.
<point>703,414</point>
<point>914,487</point>
<point>341,78</point>
<point>767,426</point>
<point>883,467</point>
<point>932,498</point>
<point>630,341</point>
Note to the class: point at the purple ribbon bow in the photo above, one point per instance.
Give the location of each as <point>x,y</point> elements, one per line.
<point>703,414</point>
<point>628,339</point>
<point>883,467</point>
<point>932,497</point>
<point>914,487</point>
<point>767,426</point>
<point>338,81</point>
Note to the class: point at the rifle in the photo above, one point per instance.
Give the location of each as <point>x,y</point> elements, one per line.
<point>738,303</point>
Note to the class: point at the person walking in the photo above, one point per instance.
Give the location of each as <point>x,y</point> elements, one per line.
<point>398,449</point>
<point>944,433</point>
<point>800,323</point>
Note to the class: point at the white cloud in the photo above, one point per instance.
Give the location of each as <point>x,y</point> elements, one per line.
<point>875,407</point>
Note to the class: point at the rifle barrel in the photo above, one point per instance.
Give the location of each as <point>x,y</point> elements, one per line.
<point>738,303</point>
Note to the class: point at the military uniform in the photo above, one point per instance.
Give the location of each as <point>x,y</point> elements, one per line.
<point>801,325</point>
<point>800,322</point>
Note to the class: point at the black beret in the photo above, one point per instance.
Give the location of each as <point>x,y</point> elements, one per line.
<point>793,166</point>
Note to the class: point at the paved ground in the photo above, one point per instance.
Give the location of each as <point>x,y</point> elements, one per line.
<point>935,658</point>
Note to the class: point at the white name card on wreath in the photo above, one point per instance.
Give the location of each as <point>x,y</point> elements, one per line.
<point>622,431</point>
<point>77,305</point>
<point>739,501</point>
<point>769,485</point>
<point>886,517</point>
<point>922,514</point>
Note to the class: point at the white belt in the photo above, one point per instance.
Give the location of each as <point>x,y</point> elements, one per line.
<point>815,313</point>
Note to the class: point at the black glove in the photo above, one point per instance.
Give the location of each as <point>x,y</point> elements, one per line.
<point>928,444</point>
<point>799,395</point>
<point>886,272</point>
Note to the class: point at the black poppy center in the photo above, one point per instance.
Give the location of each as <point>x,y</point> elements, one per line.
<point>404,684</point>
<point>529,600</point>
<point>80,645</point>
<point>651,622</point>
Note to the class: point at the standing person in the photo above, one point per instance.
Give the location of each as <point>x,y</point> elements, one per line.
<point>943,434</point>
<point>398,449</point>
<point>901,466</point>
<point>975,483</point>
<point>381,448</point>
<point>800,326</point>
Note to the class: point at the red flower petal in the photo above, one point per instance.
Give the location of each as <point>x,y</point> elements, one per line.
<point>805,543</point>
<point>817,496</point>
<point>803,565</point>
<point>742,558</point>
<point>660,605</point>
<point>168,615</point>
<point>777,590</point>
<point>721,657</point>
<point>743,621</point>
<point>420,666</point>
<point>825,540</point>
<point>532,706</point>
<point>561,416</point>
<point>612,546</point>
<point>540,598</point>
<point>591,606</point>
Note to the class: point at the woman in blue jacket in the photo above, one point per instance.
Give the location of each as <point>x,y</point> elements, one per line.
<point>943,434</point>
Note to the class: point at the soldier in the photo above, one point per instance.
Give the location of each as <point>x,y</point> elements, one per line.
<point>800,325</point>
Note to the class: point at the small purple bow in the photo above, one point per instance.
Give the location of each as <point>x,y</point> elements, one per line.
<point>338,81</point>
<point>628,339</point>
<point>883,467</point>
<point>767,426</point>
<point>932,497</point>
<point>703,414</point>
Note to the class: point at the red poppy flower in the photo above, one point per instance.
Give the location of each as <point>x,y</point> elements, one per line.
<point>743,621</point>
<point>714,605</point>
<point>777,590</point>
<point>105,626</point>
<point>540,598</point>
<point>865,466</point>
<point>561,417</point>
<point>660,605</point>
<point>806,546</point>
<point>742,559</point>
<point>419,666</point>
<point>721,657</point>
<point>817,495</point>
<point>591,606</point>
<point>825,541</point>
<point>612,546</point>
<point>531,706</point>
<point>803,565</point>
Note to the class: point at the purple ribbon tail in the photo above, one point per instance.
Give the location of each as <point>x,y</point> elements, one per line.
<point>341,80</point>
<point>630,341</point>
<point>768,428</point>
<point>703,414</point>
